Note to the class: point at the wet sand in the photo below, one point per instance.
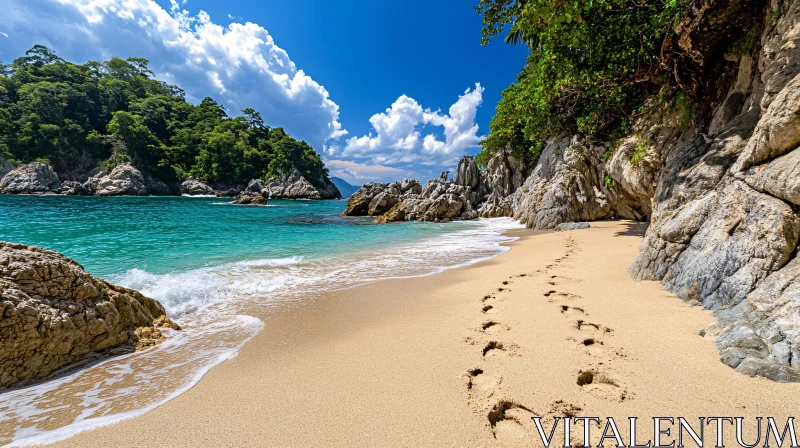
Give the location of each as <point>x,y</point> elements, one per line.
<point>465,358</point>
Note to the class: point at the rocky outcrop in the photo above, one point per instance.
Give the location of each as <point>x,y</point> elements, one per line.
<point>72,188</point>
<point>53,314</point>
<point>31,178</point>
<point>726,225</point>
<point>196,187</point>
<point>565,186</point>
<point>440,201</point>
<point>123,180</point>
<point>256,193</point>
<point>295,186</point>
<point>504,175</point>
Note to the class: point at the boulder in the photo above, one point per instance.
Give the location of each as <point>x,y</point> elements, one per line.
<point>565,226</point>
<point>53,313</point>
<point>256,193</point>
<point>31,178</point>
<point>123,180</point>
<point>196,187</point>
<point>292,186</point>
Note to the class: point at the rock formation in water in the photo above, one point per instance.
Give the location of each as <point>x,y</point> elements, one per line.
<point>53,314</point>
<point>296,186</point>
<point>256,193</point>
<point>123,180</point>
<point>196,187</point>
<point>31,178</point>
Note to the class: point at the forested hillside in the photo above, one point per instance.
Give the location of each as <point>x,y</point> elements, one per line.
<point>101,114</point>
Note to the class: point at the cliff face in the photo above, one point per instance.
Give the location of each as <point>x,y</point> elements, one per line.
<point>725,224</point>
<point>723,199</point>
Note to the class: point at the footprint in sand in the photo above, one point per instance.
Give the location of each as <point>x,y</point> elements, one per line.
<point>601,385</point>
<point>480,384</point>
<point>492,327</point>
<point>487,309</point>
<point>563,409</point>
<point>511,423</point>
<point>585,326</point>
<point>572,310</point>
<point>495,349</point>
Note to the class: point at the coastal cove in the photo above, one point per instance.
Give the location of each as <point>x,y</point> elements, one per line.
<point>218,269</point>
<point>396,362</point>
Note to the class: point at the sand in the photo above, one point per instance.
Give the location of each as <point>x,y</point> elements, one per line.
<point>465,358</point>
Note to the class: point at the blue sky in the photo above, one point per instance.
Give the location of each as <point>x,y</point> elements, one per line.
<point>384,90</point>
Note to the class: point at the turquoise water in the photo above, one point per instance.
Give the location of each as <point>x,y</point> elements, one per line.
<point>216,267</point>
<point>110,236</point>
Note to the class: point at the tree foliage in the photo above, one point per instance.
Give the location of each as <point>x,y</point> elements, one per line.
<point>115,111</point>
<point>591,64</point>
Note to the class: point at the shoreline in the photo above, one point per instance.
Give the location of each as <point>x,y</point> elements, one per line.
<point>394,362</point>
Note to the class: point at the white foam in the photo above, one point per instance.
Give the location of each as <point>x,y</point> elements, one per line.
<point>207,302</point>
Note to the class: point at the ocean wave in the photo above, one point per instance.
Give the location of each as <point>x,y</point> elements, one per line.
<point>208,302</point>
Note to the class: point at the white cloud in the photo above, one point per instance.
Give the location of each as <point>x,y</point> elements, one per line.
<point>238,64</point>
<point>397,133</point>
<point>360,173</point>
<point>3,34</point>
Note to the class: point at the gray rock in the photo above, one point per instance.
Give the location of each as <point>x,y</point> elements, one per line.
<point>467,173</point>
<point>292,186</point>
<point>563,187</point>
<point>73,188</point>
<point>31,178</point>
<point>779,178</point>
<point>5,166</point>
<point>123,180</point>
<point>564,226</point>
<point>505,173</point>
<point>53,313</point>
<point>196,187</point>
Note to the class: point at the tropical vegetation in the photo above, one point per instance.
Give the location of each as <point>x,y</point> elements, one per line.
<point>79,116</point>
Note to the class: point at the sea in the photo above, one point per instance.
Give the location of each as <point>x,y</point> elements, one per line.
<point>214,266</point>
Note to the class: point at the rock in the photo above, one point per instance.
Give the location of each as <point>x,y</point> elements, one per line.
<point>196,187</point>
<point>5,166</point>
<point>779,178</point>
<point>31,178</point>
<point>505,173</point>
<point>292,186</point>
<point>564,226</point>
<point>563,187</point>
<point>54,314</point>
<point>73,188</point>
<point>467,173</point>
<point>252,198</point>
<point>256,186</point>
<point>123,180</point>
<point>374,198</point>
<point>725,229</point>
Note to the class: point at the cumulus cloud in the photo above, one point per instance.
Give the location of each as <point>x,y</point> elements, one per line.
<point>239,64</point>
<point>398,133</point>
<point>360,173</point>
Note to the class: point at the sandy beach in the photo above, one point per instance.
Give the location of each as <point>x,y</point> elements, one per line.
<point>465,358</point>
